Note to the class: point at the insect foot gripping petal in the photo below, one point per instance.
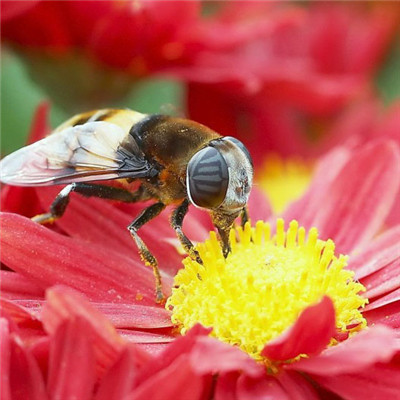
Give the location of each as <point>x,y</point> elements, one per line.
<point>57,208</point>
<point>145,216</point>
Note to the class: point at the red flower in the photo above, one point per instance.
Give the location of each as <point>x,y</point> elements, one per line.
<point>88,54</point>
<point>280,89</point>
<point>135,36</point>
<point>123,344</point>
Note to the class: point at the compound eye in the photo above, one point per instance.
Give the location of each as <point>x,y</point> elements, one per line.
<point>241,146</point>
<point>207,178</point>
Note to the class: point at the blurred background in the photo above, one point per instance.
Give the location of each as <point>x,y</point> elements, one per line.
<point>292,80</point>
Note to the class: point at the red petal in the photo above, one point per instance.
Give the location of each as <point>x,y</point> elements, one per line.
<point>26,380</point>
<point>11,9</point>
<point>376,382</point>
<point>120,315</point>
<point>181,345</point>
<point>18,314</point>
<point>5,359</point>
<point>267,387</point>
<point>49,258</point>
<point>135,316</point>
<point>100,222</point>
<point>310,334</point>
<point>71,361</point>
<point>25,324</point>
<point>175,381</point>
<point>16,286</point>
<point>326,172</point>
<point>141,337</point>
<point>53,35</point>
<point>351,207</point>
<point>377,254</point>
<point>154,349</point>
<point>40,126</point>
<point>383,281</point>
<point>209,355</point>
<point>296,386</point>
<point>388,315</point>
<point>383,301</point>
<point>120,378</point>
<point>360,352</point>
<point>226,386</point>
<point>21,200</point>
<point>65,304</point>
<point>259,206</point>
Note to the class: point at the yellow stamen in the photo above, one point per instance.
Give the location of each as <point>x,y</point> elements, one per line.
<point>283,180</point>
<point>263,285</point>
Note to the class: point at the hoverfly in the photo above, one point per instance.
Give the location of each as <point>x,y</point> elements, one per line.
<point>177,161</point>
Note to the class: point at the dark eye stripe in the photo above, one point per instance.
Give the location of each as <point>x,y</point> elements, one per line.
<point>207,178</point>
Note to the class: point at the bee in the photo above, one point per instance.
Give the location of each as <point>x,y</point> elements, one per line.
<point>176,161</point>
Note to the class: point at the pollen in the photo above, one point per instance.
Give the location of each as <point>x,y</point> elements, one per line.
<point>259,290</point>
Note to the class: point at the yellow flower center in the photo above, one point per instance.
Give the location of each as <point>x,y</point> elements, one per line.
<point>284,180</point>
<point>263,285</point>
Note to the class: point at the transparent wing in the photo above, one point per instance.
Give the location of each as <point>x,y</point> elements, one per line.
<point>93,151</point>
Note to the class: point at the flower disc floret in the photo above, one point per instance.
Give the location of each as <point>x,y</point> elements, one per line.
<point>263,285</point>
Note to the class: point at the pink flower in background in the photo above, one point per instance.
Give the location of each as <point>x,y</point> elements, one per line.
<point>56,342</point>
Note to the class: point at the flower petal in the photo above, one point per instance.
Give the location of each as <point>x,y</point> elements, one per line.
<point>388,315</point>
<point>373,383</point>
<point>352,205</point>
<point>226,386</point>
<point>135,316</point>
<point>24,323</point>
<point>175,381</point>
<point>21,200</point>
<point>377,344</point>
<point>266,388</point>
<point>171,374</point>
<point>383,301</point>
<point>310,334</point>
<point>141,337</point>
<point>17,313</point>
<point>377,254</point>
<point>65,304</point>
<point>5,359</point>
<point>120,378</point>
<point>16,286</point>
<point>383,281</point>
<point>296,386</point>
<point>210,355</point>
<point>40,126</point>
<point>49,258</point>
<point>101,222</point>
<point>71,361</point>
<point>26,380</point>
<point>120,315</point>
<point>13,9</point>
<point>259,206</point>
<point>183,344</point>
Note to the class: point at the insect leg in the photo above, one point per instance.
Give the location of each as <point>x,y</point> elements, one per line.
<point>145,216</point>
<point>57,208</point>
<point>60,203</point>
<point>176,221</point>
